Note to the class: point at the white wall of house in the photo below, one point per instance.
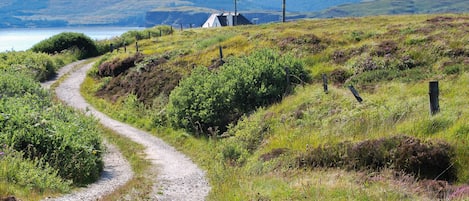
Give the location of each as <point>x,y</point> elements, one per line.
<point>213,21</point>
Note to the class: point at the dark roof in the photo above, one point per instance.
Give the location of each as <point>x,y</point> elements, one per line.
<point>223,21</point>
<point>241,20</point>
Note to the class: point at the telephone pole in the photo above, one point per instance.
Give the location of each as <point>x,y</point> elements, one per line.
<point>284,8</point>
<point>235,14</point>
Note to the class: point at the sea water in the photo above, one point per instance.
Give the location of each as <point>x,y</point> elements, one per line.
<point>20,39</point>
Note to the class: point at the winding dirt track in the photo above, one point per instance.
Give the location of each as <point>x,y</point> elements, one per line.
<point>178,178</point>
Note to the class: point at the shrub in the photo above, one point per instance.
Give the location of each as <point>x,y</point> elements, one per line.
<point>432,160</point>
<point>214,99</point>
<point>65,140</point>
<point>426,160</point>
<point>40,65</point>
<point>118,66</point>
<point>17,171</point>
<point>68,41</point>
<point>385,48</point>
<point>14,84</point>
<point>308,43</point>
<point>340,56</point>
<point>150,78</point>
<point>94,72</point>
<point>340,75</point>
<point>367,64</point>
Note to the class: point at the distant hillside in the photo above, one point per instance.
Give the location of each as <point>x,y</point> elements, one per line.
<point>53,13</point>
<point>33,13</point>
<point>392,7</point>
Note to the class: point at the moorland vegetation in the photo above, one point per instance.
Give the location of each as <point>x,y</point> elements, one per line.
<point>260,123</point>
<point>47,148</point>
<point>258,120</point>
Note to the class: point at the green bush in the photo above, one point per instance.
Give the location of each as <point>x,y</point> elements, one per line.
<point>79,43</point>
<point>40,65</point>
<point>65,140</point>
<point>214,99</point>
<point>19,84</point>
<point>17,171</point>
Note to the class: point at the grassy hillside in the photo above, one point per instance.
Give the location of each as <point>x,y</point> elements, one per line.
<point>312,145</point>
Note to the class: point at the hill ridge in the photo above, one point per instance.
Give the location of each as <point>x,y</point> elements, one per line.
<point>54,13</point>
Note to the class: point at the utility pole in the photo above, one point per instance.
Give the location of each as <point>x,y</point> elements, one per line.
<point>283,10</point>
<point>235,14</point>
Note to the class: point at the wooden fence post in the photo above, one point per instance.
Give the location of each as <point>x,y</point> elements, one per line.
<point>221,53</point>
<point>434,97</point>
<point>136,45</point>
<point>324,83</point>
<point>355,93</point>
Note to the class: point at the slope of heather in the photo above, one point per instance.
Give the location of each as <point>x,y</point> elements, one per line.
<point>307,144</point>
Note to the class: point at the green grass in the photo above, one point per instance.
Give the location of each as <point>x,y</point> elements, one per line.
<point>395,104</point>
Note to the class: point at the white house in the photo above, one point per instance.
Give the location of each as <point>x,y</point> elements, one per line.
<point>225,19</point>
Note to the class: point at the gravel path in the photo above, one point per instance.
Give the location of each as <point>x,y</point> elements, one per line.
<point>61,72</point>
<point>178,177</point>
<point>116,171</point>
